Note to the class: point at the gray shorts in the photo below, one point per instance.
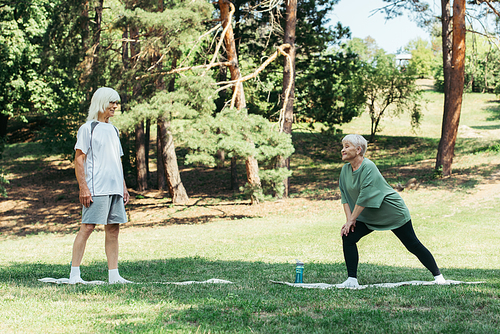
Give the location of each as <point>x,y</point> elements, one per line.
<point>105,210</point>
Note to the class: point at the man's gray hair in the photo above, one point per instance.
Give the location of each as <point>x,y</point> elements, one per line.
<point>357,141</point>
<point>100,101</point>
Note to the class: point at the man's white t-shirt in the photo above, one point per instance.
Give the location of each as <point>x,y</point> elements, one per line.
<point>103,166</point>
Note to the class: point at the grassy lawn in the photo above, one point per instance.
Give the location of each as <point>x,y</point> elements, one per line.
<point>454,217</point>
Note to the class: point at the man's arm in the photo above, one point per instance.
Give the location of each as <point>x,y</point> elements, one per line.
<point>126,195</point>
<point>85,196</point>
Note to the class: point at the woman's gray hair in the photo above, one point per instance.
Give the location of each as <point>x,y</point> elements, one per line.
<point>357,141</point>
<point>100,101</point>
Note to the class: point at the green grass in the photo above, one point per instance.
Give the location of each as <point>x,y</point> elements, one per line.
<point>250,253</point>
<point>459,228</point>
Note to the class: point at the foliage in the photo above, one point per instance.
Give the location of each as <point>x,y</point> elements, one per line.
<point>23,84</point>
<point>423,60</point>
<point>333,95</point>
<point>41,47</point>
<point>239,135</point>
<point>260,31</point>
<point>389,89</point>
<point>366,49</point>
<point>385,86</point>
<point>3,180</point>
<point>204,133</point>
<point>162,36</point>
<point>419,10</point>
<point>482,74</point>
<point>192,97</point>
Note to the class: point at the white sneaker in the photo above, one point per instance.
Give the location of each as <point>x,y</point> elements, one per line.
<point>76,280</point>
<point>120,280</point>
<point>439,279</point>
<point>350,283</point>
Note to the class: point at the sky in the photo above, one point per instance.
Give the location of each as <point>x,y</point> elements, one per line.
<point>390,35</point>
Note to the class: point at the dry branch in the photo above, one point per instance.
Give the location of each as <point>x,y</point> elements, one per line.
<point>201,38</point>
<point>280,50</point>
<point>488,3</point>
<point>224,32</point>
<point>187,68</point>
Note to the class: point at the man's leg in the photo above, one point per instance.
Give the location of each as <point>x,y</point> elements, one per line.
<point>111,244</point>
<point>78,250</point>
<point>111,247</point>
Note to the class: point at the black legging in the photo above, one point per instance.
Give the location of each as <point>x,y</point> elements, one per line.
<point>405,233</point>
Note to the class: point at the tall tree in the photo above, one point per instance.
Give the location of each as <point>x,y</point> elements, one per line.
<point>41,46</point>
<point>164,31</point>
<point>251,164</point>
<point>168,159</point>
<point>175,186</point>
<point>160,85</point>
<point>453,46</point>
<point>454,88</point>
<point>140,135</point>
<point>288,94</point>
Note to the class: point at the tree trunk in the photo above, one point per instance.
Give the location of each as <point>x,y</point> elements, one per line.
<point>219,102</point>
<point>84,24</point>
<point>4,119</point>
<point>169,158</point>
<point>160,166</point>
<point>140,157</point>
<point>289,82</point>
<point>252,166</point>
<point>95,76</point>
<point>160,85</point>
<point>125,136</point>
<point>234,173</point>
<point>447,43</point>
<point>147,139</point>
<point>451,117</point>
<point>140,143</point>
<point>173,177</point>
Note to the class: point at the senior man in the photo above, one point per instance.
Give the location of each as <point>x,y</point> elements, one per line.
<point>99,172</point>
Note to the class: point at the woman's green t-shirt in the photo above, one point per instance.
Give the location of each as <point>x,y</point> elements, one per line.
<point>366,187</point>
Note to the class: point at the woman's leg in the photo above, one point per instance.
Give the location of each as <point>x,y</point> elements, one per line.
<point>408,237</point>
<point>351,255</point>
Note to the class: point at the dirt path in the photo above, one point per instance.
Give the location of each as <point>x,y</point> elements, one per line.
<point>43,198</point>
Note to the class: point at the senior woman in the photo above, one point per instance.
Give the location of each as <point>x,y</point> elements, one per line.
<point>370,203</point>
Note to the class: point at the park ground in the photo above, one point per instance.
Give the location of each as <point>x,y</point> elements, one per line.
<point>218,234</point>
<point>43,193</point>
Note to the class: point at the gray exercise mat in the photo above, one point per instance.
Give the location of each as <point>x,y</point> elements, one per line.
<point>66,281</point>
<point>378,285</point>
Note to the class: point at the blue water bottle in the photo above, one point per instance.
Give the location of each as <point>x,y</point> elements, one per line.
<point>299,272</point>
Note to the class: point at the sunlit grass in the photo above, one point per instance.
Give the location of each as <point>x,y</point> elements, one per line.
<point>250,253</point>
<point>459,228</point>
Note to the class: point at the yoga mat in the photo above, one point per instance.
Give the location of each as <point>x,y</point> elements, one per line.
<point>66,281</point>
<point>378,285</point>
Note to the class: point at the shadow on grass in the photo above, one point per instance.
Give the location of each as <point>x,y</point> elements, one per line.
<point>494,109</point>
<point>254,304</point>
<point>43,195</point>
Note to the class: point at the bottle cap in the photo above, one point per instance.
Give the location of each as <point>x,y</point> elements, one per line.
<point>299,263</point>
